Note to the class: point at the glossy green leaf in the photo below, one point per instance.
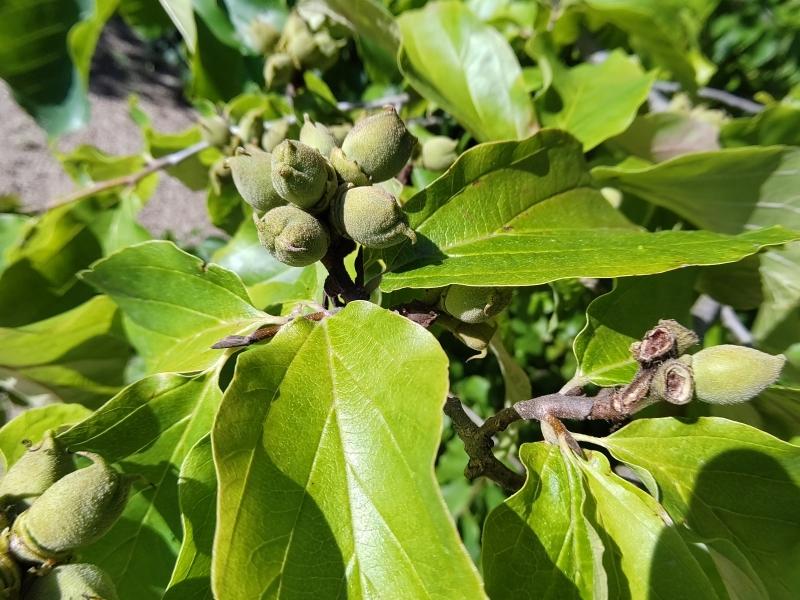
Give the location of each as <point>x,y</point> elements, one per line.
<point>539,543</point>
<point>148,428</point>
<point>376,32</point>
<point>32,425</point>
<point>44,57</point>
<point>40,278</point>
<point>525,213</point>
<point>192,172</point>
<point>665,31</point>
<point>308,430</point>
<point>776,411</point>
<point>79,355</point>
<point>621,317</point>
<point>644,555</point>
<point>176,305</point>
<point>197,490</point>
<point>466,67</point>
<point>727,481</point>
<point>595,102</point>
<point>269,281</point>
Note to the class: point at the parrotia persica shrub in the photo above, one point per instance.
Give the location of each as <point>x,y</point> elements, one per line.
<point>507,305</point>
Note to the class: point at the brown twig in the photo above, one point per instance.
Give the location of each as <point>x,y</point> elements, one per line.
<point>166,161</point>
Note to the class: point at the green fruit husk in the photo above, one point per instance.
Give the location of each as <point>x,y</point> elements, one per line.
<point>302,176</point>
<point>730,374</point>
<point>252,175</point>
<point>380,145</point>
<point>293,236</point>
<point>317,136</point>
<point>370,216</point>
<point>75,581</point>
<point>475,304</point>
<point>438,153</point>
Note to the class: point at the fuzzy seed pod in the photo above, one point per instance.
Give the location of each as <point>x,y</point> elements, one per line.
<point>381,145</point>
<point>347,169</point>
<point>438,153</point>
<point>75,511</point>
<point>10,574</point>
<point>273,136</point>
<point>39,468</point>
<point>673,382</point>
<point>370,216</point>
<point>339,132</point>
<point>293,236</point>
<point>77,581</point>
<point>730,374</point>
<point>278,71</point>
<point>252,175</point>
<point>215,130</point>
<point>317,136</point>
<point>263,36</point>
<point>310,49</point>
<point>251,127</point>
<point>301,175</point>
<point>475,304</point>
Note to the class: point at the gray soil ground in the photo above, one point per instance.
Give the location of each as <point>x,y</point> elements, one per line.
<point>121,67</point>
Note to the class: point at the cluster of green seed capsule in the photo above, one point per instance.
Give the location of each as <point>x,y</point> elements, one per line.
<point>50,511</point>
<point>306,192</point>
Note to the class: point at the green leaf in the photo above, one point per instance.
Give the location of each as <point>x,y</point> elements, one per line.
<point>525,213</point>
<point>621,317</point>
<point>777,124</point>
<point>644,556</point>
<point>515,380</point>
<point>776,411</point>
<point>197,489</point>
<point>176,305</point>
<point>726,481</point>
<point>376,32</point>
<point>182,15</point>
<point>32,425</point>
<point>40,278</point>
<point>79,355</point>
<point>595,102</point>
<point>45,51</point>
<point>665,31</point>
<point>148,428</point>
<point>539,543</point>
<point>467,67</point>
<point>269,282</point>
<point>657,137</point>
<point>303,484</point>
<point>192,172</point>
<point>12,227</point>
<point>726,191</point>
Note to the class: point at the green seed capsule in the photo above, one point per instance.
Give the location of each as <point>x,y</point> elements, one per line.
<point>301,175</point>
<point>75,511</point>
<point>310,48</point>
<point>215,130</point>
<point>347,169</point>
<point>475,304</point>
<point>263,36</point>
<point>293,236</point>
<point>36,470</point>
<point>275,134</point>
<point>731,374</point>
<point>438,153</point>
<point>317,136</point>
<point>252,175</point>
<point>370,216</point>
<point>278,71</point>
<point>381,145</point>
<point>77,581</point>
<point>10,574</point>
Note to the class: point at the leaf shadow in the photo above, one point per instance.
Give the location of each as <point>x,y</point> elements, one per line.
<point>744,509</point>
<point>541,578</point>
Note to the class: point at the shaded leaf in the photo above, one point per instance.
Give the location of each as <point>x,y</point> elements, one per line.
<point>12,226</point>
<point>176,305</point>
<point>777,124</point>
<point>79,355</point>
<point>539,543</point>
<point>726,481</point>
<point>468,68</point>
<point>595,102</point>
<point>621,317</point>
<point>302,486</point>
<point>181,14</point>
<point>197,490</point>
<point>660,136</point>
<point>148,428</point>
